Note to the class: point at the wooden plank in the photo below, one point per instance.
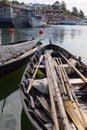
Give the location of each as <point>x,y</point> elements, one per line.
<point>65,65</point>
<point>76,81</point>
<point>62,65</point>
<point>81,114</point>
<point>77,71</point>
<point>53,105</point>
<point>77,111</point>
<point>53,77</point>
<point>40,66</point>
<point>85,116</point>
<point>44,103</point>
<point>74,114</point>
<point>35,72</point>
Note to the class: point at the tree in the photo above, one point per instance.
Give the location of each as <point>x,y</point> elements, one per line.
<point>74,11</point>
<point>68,12</point>
<point>15,2</point>
<point>81,14</point>
<point>63,6</point>
<point>4,1</point>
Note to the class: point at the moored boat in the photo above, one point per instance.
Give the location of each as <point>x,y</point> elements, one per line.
<point>14,55</point>
<point>53,90</point>
<point>36,23</point>
<point>68,22</point>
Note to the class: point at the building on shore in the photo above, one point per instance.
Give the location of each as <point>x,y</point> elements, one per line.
<point>53,16</point>
<point>14,15</point>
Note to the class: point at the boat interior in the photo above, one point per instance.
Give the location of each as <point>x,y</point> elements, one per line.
<point>54,90</point>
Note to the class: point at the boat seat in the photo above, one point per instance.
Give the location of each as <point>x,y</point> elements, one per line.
<point>65,65</point>
<point>76,81</point>
<point>40,66</point>
<point>43,66</point>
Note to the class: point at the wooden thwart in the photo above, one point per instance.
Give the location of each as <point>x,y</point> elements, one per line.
<point>40,66</point>
<point>76,81</point>
<point>77,71</point>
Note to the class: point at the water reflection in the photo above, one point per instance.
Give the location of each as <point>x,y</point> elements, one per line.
<point>72,38</point>
<point>56,33</point>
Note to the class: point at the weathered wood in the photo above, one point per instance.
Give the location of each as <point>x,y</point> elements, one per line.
<point>78,72</point>
<point>58,94</point>
<point>41,66</point>
<point>81,114</point>
<point>44,103</point>
<point>73,115</point>
<point>58,69</point>
<point>65,80</point>
<point>76,81</point>
<point>72,95</point>
<point>53,106</point>
<point>32,102</point>
<point>33,77</point>
<point>63,65</point>
<point>74,98</point>
<point>40,114</point>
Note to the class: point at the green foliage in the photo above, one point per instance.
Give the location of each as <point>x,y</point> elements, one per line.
<point>15,2</point>
<point>8,1</point>
<point>63,7</point>
<point>74,11</point>
<point>5,1</point>
<point>81,14</point>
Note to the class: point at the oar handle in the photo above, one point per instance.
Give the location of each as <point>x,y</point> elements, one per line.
<point>33,77</point>
<point>78,72</point>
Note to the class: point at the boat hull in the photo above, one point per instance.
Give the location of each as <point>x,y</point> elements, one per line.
<point>36,99</point>
<point>36,23</point>
<point>19,57</point>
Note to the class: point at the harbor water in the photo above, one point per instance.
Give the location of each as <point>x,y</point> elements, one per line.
<point>73,38</point>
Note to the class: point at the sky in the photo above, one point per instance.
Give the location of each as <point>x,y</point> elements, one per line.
<point>80,4</point>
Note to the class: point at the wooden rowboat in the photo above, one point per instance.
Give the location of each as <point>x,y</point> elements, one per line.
<point>53,90</point>
<point>14,55</point>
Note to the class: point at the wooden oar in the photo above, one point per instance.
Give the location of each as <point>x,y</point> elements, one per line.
<point>55,86</point>
<point>53,105</point>
<point>33,77</point>
<point>58,69</point>
<point>74,96</point>
<point>78,72</point>
<point>74,114</point>
<point>65,80</point>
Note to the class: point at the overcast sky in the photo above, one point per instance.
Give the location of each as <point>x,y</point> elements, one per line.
<point>80,4</point>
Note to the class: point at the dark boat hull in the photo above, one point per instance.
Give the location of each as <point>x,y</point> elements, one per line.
<point>16,62</point>
<point>34,117</point>
<point>9,67</point>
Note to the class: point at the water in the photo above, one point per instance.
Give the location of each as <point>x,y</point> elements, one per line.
<point>72,38</point>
